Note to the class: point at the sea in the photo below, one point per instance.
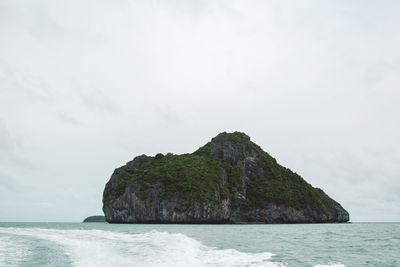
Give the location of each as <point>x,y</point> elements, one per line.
<point>102,244</point>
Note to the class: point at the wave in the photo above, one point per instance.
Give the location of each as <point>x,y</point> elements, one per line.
<point>104,248</point>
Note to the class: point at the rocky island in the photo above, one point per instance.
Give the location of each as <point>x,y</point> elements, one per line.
<point>228,180</point>
<point>95,219</point>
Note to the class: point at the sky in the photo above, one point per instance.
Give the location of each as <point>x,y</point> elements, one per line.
<point>85,86</point>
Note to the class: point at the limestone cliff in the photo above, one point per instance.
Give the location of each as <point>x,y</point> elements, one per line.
<point>228,180</point>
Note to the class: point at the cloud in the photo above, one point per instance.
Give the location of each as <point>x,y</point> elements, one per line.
<point>96,100</point>
<point>7,182</point>
<point>6,143</point>
<point>9,147</point>
<point>168,113</point>
<point>67,118</point>
<point>21,83</point>
<point>84,87</point>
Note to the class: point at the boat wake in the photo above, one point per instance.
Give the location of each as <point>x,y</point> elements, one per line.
<point>104,248</point>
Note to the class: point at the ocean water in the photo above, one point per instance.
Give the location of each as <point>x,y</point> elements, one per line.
<point>101,244</point>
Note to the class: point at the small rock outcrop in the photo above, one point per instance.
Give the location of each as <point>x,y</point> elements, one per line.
<point>228,180</point>
<point>97,218</point>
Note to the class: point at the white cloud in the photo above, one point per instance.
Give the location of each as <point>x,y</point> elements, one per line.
<point>86,86</point>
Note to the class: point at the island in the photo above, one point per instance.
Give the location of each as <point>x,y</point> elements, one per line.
<point>229,180</point>
<point>95,219</point>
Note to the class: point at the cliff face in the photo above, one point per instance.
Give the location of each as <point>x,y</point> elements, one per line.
<point>229,180</point>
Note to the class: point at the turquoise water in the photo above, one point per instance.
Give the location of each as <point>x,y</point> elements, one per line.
<point>100,244</point>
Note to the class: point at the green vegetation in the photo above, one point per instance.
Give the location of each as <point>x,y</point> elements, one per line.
<point>93,219</point>
<point>186,176</point>
<point>218,171</point>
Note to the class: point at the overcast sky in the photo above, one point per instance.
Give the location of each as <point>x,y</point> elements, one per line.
<point>85,86</point>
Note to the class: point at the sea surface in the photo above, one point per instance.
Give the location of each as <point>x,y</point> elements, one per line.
<point>102,244</point>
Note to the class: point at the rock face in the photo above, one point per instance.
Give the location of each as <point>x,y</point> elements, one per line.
<point>228,180</point>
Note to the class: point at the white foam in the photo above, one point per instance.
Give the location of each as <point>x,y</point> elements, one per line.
<point>330,265</point>
<point>12,252</point>
<point>102,248</point>
<point>3,246</point>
